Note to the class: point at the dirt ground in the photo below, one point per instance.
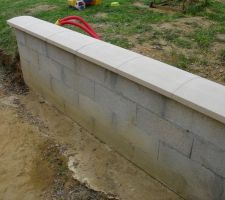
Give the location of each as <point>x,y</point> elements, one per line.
<point>45,155</point>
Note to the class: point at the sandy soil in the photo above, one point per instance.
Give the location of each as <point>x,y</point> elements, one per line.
<point>45,155</point>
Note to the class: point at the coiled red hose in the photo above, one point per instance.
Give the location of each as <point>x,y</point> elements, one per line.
<point>81,24</point>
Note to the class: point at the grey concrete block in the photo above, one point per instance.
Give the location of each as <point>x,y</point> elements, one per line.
<point>146,160</point>
<point>70,78</point>
<point>25,66</point>
<point>59,92</point>
<point>36,44</point>
<point>140,140</point>
<point>20,37</point>
<point>110,79</point>
<point>209,129</point>
<point>40,82</point>
<point>24,63</point>
<point>141,95</point>
<point>187,177</point>
<point>71,97</point>
<point>90,70</point>
<point>78,83</point>
<point>145,148</point>
<point>122,107</point>
<point>164,130</point>
<point>52,67</point>
<point>66,94</point>
<point>102,116</point>
<point>81,117</point>
<point>29,55</point>
<point>89,106</point>
<point>209,156</point>
<point>223,193</point>
<point>178,114</point>
<point>65,58</point>
<point>42,77</point>
<point>86,87</point>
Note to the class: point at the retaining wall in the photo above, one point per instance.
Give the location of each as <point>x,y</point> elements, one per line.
<point>169,122</point>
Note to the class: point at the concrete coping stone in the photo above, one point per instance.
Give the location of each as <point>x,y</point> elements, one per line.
<point>191,90</point>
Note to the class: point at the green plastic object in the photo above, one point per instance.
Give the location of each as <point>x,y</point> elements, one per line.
<point>115,3</point>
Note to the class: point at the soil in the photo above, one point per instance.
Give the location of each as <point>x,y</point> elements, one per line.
<point>39,8</point>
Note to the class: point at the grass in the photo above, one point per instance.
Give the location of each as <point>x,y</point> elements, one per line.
<point>123,20</point>
<point>204,37</point>
<point>129,25</point>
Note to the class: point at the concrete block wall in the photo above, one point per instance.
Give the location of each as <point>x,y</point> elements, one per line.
<point>168,122</point>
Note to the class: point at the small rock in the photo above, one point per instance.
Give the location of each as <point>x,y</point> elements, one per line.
<point>221,37</point>
<point>158,47</point>
<point>10,101</point>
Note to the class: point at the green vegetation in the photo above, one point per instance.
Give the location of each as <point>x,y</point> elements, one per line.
<point>124,20</point>
<point>222,55</point>
<point>191,35</point>
<point>204,37</point>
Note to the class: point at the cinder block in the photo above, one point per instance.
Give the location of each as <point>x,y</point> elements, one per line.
<point>223,194</point>
<point>81,117</point>
<point>164,130</point>
<point>42,77</point>
<point>29,55</point>
<point>40,81</point>
<point>102,116</point>
<point>209,129</point>
<point>145,147</point>
<point>86,87</point>
<point>90,70</point>
<point>64,93</point>
<point>187,177</point>
<point>36,44</point>
<point>71,97</point>
<point>122,145</point>
<point>210,156</point>
<point>70,78</point>
<point>53,68</point>
<point>122,107</point>
<point>139,139</point>
<point>25,66</point>
<point>141,95</point>
<point>61,56</point>
<point>146,160</point>
<point>178,114</point>
<point>110,79</point>
<point>88,106</point>
<point>68,94</point>
<point>20,37</point>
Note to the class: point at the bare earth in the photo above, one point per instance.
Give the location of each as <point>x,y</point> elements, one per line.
<point>45,155</point>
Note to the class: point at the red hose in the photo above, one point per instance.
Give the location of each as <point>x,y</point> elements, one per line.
<point>79,19</point>
<point>83,25</point>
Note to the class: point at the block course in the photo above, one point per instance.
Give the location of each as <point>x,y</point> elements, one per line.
<point>179,146</point>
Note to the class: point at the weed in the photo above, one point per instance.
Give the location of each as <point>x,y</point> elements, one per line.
<point>182,61</point>
<point>182,42</point>
<point>122,42</point>
<point>204,37</point>
<point>222,55</point>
